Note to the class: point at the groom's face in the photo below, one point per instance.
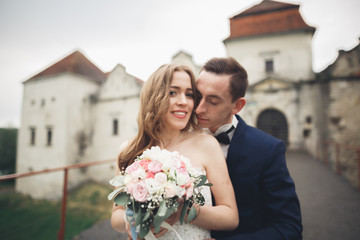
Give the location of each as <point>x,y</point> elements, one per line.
<point>216,107</point>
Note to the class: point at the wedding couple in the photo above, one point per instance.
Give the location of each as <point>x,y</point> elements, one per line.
<point>253,195</point>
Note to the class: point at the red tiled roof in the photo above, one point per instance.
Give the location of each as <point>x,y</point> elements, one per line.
<point>266,6</point>
<point>74,63</point>
<point>267,17</point>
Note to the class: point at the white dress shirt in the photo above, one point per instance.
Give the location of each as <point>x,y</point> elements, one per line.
<point>224,128</point>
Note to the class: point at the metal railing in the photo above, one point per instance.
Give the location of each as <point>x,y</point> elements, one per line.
<point>61,233</point>
<point>323,153</point>
<point>330,153</point>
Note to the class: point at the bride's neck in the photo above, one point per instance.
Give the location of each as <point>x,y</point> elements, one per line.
<point>170,139</point>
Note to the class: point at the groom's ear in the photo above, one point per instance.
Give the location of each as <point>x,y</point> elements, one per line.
<point>239,104</point>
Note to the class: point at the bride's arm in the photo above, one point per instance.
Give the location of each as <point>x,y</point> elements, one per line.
<point>223,216</point>
<point>118,221</point>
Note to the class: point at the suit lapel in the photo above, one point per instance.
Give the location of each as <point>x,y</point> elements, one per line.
<point>235,143</point>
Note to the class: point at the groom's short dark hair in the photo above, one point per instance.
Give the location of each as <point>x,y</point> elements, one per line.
<point>229,66</point>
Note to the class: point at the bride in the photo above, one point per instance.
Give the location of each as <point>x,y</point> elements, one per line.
<point>167,119</point>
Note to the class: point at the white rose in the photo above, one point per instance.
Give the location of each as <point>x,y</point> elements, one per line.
<point>152,186</point>
<point>179,191</point>
<point>160,177</point>
<point>139,173</point>
<point>170,190</point>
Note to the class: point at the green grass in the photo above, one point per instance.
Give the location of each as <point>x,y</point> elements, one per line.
<point>24,218</point>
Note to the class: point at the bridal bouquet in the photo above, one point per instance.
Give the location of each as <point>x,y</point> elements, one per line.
<point>150,187</point>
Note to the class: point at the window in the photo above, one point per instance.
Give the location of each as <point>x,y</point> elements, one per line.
<point>49,134</point>
<point>269,66</point>
<point>115,126</point>
<point>308,119</point>
<point>32,136</point>
<point>350,61</point>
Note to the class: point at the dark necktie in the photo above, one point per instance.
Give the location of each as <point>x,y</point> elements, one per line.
<point>224,137</point>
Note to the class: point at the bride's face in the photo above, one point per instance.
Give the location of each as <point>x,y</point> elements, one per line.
<point>181,101</point>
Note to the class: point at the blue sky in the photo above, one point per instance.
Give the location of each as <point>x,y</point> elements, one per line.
<point>141,35</point>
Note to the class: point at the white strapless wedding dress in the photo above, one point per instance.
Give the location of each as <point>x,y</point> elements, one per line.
<point>189,231</point>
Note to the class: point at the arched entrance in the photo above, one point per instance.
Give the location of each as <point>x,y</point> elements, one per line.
<point>273,122</point>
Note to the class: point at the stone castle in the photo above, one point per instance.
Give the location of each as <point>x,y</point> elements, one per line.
<point>73,112</point>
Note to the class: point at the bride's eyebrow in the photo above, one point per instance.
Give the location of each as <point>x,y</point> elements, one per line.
<point>177,87</point>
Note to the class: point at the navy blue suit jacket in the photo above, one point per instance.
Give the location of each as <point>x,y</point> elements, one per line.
<point>265,193</point>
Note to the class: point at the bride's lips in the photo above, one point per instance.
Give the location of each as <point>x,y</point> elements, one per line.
<point>181,114</point>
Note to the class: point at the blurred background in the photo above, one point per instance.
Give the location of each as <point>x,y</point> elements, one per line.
<point>71,73</point>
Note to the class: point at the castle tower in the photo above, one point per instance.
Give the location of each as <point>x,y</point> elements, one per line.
<point>271,38</point>
<point>273,43</point>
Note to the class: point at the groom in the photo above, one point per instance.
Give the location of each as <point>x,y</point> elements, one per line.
<point>265,193</point>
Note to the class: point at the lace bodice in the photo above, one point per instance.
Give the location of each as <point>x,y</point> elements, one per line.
<point>189,231</point>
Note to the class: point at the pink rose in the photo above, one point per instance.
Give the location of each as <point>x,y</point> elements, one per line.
<point>133,167</point>
<point>155,166</point>
<point>130,187</point>
<point>140,192</point>
<point>188,184</point>
<point>182,176</point>
<point>145,163</point>
<point>150,175</point>
<point>182,164</point>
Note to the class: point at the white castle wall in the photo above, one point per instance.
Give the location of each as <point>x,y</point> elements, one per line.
<point>291,54</point>
<point>118,99</point>
<point>65,112</point>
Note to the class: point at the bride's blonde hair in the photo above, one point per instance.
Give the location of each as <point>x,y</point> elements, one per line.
<point>154,104</point>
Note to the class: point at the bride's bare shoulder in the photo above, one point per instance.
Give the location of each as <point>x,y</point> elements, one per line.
<point>202,139</point>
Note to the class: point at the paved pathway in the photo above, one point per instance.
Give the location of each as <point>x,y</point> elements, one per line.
<point>330,206</point>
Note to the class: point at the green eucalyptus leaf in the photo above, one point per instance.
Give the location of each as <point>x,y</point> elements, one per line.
<point>183,211</point>
<point>144,229</point>
<point>138,217</point>
<point>162,209</point>
<point>192,214</point>
<point>113,193</point>
<point>163,213</point>
<point>160,216</point>
<point>122,199</point>
<point>146,216</point>
<point>156,223</point>
<point>202,181</point>
<point>170,211</point>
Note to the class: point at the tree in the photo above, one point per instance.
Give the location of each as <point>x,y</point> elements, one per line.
<point>8,139</point>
